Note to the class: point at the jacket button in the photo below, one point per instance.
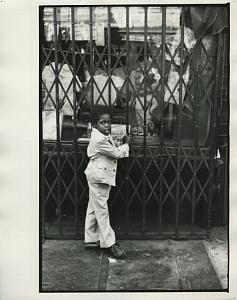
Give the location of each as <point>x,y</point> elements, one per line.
<point>115,161</point>
<point>113,170</point>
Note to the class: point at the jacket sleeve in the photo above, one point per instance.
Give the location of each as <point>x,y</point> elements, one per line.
<point>105,148</point>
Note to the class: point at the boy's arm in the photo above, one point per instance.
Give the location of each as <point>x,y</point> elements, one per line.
<point>105,148</point>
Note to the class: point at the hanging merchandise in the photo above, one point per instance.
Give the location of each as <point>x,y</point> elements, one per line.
<point>102,95</point>
<point>65,88</point>
<point>49,125</point>
<point>172,91</point>
<point>82,24</point>
<point>48,24</point>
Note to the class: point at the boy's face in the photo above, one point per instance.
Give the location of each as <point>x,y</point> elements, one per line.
<point>104,124</point>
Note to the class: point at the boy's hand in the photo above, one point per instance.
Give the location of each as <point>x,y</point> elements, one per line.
<point>116,141</point>
<point>125,139</point>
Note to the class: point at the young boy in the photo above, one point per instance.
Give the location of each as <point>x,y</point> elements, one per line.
<point>100,174</point>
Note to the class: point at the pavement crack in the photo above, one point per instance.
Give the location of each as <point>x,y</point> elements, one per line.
<point>181,280</point>
<point>103,273</point>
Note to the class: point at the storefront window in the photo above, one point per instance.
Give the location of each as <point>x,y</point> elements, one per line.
<point>120,61</point>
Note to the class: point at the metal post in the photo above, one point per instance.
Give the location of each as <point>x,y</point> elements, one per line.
<point>178,143</point>
<point>162,113</point>
<point>109,55</point>
<point>144,122</point>
<point>225,51</point>
<point>75,119</point>
<point>127,111</point>
<point>196,127</point>
<point>213,131</point>
<point>42,191</point>
<point>91,56</point>
<point>57,121</point>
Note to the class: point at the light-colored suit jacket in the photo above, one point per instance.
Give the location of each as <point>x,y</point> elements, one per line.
<point>103,155</point>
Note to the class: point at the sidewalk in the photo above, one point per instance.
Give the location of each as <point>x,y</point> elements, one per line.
<point>149,266</point>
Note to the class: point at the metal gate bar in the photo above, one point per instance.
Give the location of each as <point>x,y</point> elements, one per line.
<point>144,158</point>
<point>57,123</point>
<point>91,56</point>
<point>196,126</point>
<point>127,73</point>
<point>109,55</point>
<point>163,9</point>
<point>213,130</point>
<point>144,122</point>
<point>74,123</point>
<point>178,141</point>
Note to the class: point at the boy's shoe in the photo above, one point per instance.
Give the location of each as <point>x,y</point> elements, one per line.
<point>116,251</point>
<point>92,245</point>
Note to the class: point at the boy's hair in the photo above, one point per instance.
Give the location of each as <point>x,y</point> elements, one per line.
<point>98,111</point>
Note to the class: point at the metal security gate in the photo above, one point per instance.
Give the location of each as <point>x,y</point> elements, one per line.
<point>161,73</point>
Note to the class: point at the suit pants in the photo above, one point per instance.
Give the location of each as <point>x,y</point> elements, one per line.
<point>97,223</point>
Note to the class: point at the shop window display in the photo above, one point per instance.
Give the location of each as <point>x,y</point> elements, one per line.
<point>104,78</point>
